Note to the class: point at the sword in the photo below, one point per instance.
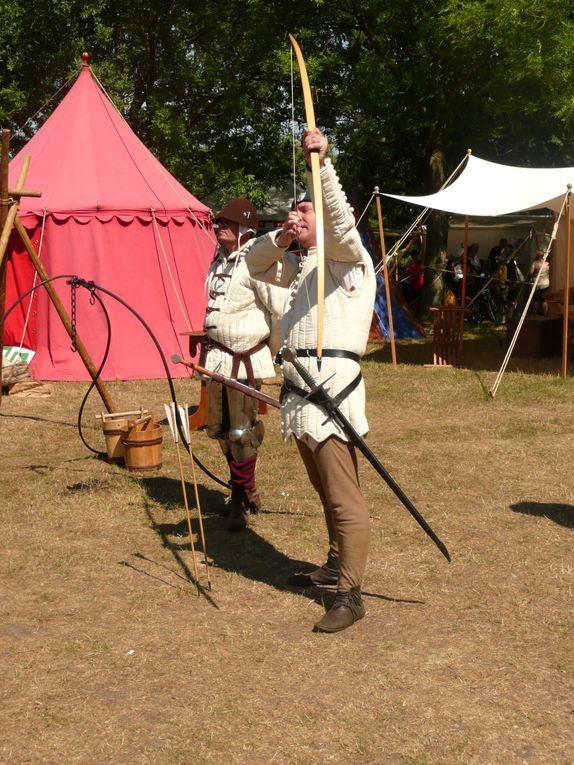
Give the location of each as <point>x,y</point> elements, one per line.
<point>228,381</point>
<point>322,399</point>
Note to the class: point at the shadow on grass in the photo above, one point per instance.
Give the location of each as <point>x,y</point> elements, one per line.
<point>35,418</point>
<point>558,512</point>
<point>245,553</point>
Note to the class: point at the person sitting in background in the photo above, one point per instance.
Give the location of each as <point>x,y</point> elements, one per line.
<point>494,254</point>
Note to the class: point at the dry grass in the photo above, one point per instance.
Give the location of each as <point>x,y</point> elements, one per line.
<point>108,655</point>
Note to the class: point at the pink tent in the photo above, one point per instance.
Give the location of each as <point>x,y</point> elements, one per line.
<point>111,213</point>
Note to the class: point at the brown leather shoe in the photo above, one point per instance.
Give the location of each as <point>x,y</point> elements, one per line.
<point>238,510</point>
<point>328,573</point>
<point>347,609</point>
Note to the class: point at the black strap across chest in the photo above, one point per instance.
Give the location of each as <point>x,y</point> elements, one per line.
<point>289,387</point>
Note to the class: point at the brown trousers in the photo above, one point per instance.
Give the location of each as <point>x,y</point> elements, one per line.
<point>333,472</point>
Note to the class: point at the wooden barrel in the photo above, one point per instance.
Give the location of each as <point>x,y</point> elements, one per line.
<point>142,446</point>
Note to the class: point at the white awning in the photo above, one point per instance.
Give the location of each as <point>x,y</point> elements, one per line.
<point>487,188</point>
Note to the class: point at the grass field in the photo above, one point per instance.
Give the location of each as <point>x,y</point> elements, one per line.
<point>108,655</point>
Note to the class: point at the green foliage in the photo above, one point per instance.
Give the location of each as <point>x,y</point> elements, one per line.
<point>397,86</point>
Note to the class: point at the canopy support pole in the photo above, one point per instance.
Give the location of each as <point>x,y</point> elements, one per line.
<point>386,276</point>
<point>464,277</point>
<point>566,287</point>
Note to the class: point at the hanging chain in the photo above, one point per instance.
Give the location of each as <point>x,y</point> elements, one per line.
<point>73,288</point>
<point>74,283</point>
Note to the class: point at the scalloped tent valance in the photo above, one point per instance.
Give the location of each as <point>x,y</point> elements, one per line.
<point>31,220</point>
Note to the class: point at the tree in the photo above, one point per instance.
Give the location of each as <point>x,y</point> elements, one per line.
<point>402,89</point>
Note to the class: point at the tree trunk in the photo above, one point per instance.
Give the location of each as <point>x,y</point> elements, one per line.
<point>437,233</point>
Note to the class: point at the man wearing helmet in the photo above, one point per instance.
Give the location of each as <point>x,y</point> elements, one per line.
<point>241,327</point>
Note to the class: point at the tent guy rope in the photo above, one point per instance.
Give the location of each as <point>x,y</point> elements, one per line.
<point>492,392</point>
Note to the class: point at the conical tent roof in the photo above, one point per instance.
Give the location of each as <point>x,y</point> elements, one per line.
<point>86,158</point>
<point>111,213</point>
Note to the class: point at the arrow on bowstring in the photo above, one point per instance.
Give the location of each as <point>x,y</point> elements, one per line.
<point>317,197</point>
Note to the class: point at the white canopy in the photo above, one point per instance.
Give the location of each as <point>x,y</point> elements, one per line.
<point>486,188</point>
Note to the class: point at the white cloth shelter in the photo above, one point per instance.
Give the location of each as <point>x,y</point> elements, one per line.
<point>487,188</point>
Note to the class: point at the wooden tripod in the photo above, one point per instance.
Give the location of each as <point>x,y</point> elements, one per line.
<point>9,199</point>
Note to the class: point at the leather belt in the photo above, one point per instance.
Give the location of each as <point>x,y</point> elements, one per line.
<point>238,358</point>
<point>330,353</point>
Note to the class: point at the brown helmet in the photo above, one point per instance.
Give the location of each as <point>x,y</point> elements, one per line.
<point>240,211</point>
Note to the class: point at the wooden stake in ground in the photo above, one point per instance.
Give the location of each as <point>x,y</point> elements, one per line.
<point>386,276</point>
<point>566,317</point>
<point>171,418</point>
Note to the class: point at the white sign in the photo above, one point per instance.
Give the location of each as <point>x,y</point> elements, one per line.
<point>13,354</point>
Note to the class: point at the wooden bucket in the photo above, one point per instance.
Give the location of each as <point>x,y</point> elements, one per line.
<point>113,430</point>
<point>113,426</point>
<point>142,445</point>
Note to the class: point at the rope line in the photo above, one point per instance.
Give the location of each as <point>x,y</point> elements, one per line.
<point>29,311</point>
<point>49,101</point>
<point>162,170</point>
<point>167,265</point>
<point>501,371</point>
<point>420,217</point>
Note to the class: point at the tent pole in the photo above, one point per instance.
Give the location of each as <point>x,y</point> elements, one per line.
<point>386,276</point>
<point>62,313</point>
<point>566,287</point>
<point>4,162</point>
<point>464,273</point>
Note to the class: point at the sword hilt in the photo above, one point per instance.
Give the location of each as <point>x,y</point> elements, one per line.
<point>288,354</point>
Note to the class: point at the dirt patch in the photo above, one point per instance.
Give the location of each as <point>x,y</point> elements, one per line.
<point>109,655</point>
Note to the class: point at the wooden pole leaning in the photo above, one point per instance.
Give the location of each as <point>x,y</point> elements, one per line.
<point>4,201</point>
<point>12,204</point>
<point>565,318</point>
<point>63,314</point>
<point>377,194</point>
<point>8,211</point>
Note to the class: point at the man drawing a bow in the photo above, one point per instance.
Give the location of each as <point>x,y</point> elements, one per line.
<point>329,457</point>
